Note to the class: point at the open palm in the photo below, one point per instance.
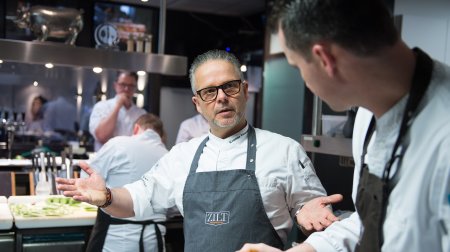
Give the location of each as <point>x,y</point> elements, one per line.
<point>91,190</point>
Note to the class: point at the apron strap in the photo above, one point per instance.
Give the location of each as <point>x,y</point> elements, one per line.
<point>197,155</point>
<point>251,148</point>
<point>159,239</point>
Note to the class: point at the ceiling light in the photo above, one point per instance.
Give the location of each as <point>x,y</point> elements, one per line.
<point>97,69</point>
<point>244,68</point>
<point>141,73</point>
<point>35,83</point>
<point>144,0</point>
<point>49,65</point>
<point>1,61</point>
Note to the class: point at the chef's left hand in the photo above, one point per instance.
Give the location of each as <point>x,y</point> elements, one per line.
<point>315,215</point>
<point>260,247</point>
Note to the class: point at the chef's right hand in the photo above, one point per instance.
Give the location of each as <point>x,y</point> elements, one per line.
<point>123,100</point>
<point>91,190</point>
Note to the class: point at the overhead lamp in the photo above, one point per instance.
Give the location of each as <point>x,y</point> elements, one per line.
<point>1,61</point>
<point>141,73</point>
<point>49,65</point>
<point>144,1</point>
<point>97,70</point>
<point>35,83</point>
<point>244,68</point>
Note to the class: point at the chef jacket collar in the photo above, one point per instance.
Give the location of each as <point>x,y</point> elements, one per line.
<point>149,134</point>
<point>230,141</point>
<point>389,121</point>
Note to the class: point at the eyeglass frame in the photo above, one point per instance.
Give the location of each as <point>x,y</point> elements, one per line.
<point>217,90</point>
<point>126,85</point>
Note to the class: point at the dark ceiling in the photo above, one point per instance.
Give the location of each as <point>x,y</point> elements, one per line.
<point>237,8</point>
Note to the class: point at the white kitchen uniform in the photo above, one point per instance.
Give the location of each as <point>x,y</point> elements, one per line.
<point>418,212</point>
<point>192,127</point>
<point>285,175</point>
<point>125,119</point>
<point>123,160</point>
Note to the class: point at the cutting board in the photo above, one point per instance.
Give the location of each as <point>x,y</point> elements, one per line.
<point>6,219</point>
<point>77,216</point>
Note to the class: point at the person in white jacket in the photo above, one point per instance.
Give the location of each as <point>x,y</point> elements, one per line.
<point>124,159</point>
<point>350,54</point>
<point>235,184</point>
<point>115,116</point>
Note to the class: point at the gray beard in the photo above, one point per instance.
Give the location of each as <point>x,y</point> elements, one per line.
<point>236,119</point>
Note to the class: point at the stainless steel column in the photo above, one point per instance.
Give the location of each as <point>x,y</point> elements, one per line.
<point>316,122</point>
<point>162,26</point>
<point>317,116</point>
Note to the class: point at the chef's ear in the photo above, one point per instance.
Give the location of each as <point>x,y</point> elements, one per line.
<point>245,87</point>
<point>196,102</point>
<point>136,129</point>
<point>322,52</point>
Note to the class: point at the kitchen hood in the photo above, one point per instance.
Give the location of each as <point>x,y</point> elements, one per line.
<point>35,52</point>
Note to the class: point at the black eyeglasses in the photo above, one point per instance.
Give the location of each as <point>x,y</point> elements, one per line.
<point>126,85</point>
<point>210,93</point>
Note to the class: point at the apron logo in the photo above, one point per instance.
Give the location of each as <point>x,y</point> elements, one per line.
<point>217,218</point>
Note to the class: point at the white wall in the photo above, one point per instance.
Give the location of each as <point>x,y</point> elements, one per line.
<point>175,106</point>
<point>426,24</point>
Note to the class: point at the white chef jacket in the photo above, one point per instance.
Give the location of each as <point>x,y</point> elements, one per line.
<point>122,160</point>
<point>192,127</point>
<point>125,119</point>
<point>418,213</point>
<point>285,174</point>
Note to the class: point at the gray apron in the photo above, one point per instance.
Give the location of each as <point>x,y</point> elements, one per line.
<point>224,209</point>
<point>373,192</point>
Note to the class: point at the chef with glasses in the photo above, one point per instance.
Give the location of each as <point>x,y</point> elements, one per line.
<point>235,185</point>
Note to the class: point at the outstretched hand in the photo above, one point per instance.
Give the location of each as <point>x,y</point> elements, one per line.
<point>315,215</point>
<point>91,190</point>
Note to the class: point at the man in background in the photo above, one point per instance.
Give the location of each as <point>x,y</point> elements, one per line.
<point>122,160</point>
<point>115,117</point>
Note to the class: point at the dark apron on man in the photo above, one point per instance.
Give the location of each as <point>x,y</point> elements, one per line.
<point>100,230</point>
<point>224,209</point>
<point>373,192</point>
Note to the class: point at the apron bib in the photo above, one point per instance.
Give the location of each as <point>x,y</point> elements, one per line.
<point>224,209</point>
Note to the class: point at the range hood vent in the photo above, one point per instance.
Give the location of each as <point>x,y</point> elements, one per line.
<point>65,55</point>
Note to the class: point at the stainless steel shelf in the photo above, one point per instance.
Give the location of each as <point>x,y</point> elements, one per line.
<point>327,145</point>
<point>61,54</point>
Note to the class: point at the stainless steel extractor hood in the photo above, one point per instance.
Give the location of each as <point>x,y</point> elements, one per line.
<point>65,55</point>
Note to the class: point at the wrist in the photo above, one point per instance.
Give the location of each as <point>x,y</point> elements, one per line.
<point>108,198</point>
<point>304,231</point>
